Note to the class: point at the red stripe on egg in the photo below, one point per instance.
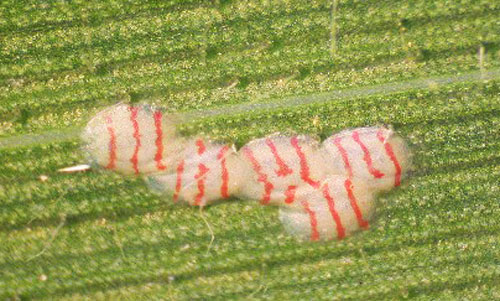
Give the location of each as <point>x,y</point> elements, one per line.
<point>201,146</point>
<point>390,152</point>
<point>262,177</point>
<point>344,155</point>
<point>200,176</point>
<point>354,204</point>
<point>112,143</point>
<point>313,222</point>
<point>135,157</point>
<point>283,170</point>
<point>304,167</point>
<point>290,194</point>
<point>159,141</point>
<point>367,157</point>
<point>333,212</point>
<point>178,183</point>
<point>221,156</point>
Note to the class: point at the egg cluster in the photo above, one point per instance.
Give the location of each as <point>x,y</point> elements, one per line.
<point>325,190</point>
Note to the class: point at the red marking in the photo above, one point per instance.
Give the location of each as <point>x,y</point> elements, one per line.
<point>224,174</point>
<point>112,144</point>
<point>304,168</point>
<point>268,186</point>
<point>159,141</point>
<point>283,170</point>
<point>178,184</point>
<point>202,170</point>
<point>312,220</point>
<point>367,157</point>
<point>201,146</point>
<point>354,204</point>
<point>344,155</point>
<point>335,215</point>
<point>137,136</point>
<point>390,152</point>
<point>290,194</point>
